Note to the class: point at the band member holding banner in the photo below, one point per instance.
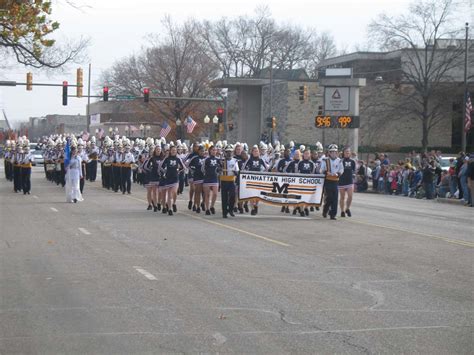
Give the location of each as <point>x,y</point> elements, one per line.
<point>346,182</point>
<point>305,166</point>
<point>281,167</point>
<point>230,169</point>
<point>211,168</point>
<point>333,169</point>
<point>255,163</point>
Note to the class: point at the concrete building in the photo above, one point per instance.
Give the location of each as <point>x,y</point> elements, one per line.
<point>388,89</point>
<point>55,124</point>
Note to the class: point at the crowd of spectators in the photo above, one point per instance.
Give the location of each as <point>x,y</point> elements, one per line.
<point>420,175</point>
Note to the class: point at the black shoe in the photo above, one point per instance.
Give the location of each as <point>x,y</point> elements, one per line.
<point>213,210</point>
<point>208,213</point>
<point>241,210</point>
<point>232,213</point>
<point>235,209</point>
<point>75,200</point>
<point>158,207</point>
<point>149,208</point>
<point>165,210</point>
<point>333,218</point>
<point>306,212</point>
<point>348,212</point>
<point>175,209</point>
<point>311,209</point>
<point>325,214</point>
<point>254,211</point>
<point>28,192</point>
<point>194,208</point>
<point>287,209</point>
<point>317,208</point>
<point>190,205</point>
<point>343,214</point>
<point>155,209</point>
<point>224,216</point>
<point>282,209</point>
<point>294,211</point>
<point>24,192</point>
<point>202,206</point>
<point>170,212</point>
<point>198,210</point>
<point>302,214</point>
<point>123,192</point>
<point>128,192</point>
<point>246,208</point>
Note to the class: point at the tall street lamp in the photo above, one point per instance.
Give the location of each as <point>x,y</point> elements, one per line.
<point>207,120</point>
<point>215,121</point>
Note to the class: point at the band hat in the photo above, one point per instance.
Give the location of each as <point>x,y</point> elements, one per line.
<point>333,148</point>
<point>229,148</point>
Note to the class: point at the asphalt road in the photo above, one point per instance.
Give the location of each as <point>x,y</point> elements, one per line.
<point>107,276</point>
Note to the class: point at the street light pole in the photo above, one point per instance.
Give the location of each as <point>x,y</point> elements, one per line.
<point>463,132</point>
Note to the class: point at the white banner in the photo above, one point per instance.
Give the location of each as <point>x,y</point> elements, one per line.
<point>95,119</point>
<point>282,189</point>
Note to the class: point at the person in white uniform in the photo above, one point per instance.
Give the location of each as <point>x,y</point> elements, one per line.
<point>73,177</point>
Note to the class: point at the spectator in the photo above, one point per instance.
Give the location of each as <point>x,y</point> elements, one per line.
<point>470,178</point>
<point>428,178</point>
<point>459,163</point>
<point>463,179</point>
<point>444,185</point>
<point>453,180</point>
<point>362,177</point>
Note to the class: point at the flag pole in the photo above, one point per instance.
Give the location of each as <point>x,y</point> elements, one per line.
<point>463,132</point>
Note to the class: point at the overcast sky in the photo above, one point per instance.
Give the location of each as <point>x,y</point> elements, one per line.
<point>117,29</point>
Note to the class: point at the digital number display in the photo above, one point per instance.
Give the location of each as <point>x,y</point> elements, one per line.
<point>336,121</point>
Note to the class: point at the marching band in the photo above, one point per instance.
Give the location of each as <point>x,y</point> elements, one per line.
<point>165,168</point>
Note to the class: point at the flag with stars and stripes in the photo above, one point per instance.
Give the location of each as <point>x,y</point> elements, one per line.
<point>165,130</point>
<point>190,124</point>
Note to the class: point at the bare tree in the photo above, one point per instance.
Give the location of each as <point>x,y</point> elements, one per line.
<point>427,63</point>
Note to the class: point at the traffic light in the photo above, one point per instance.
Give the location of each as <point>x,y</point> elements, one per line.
<point>271,122</point>
<point>320,110</point>
<point>220,114</point>
<point>303,92</point>
<point>64,93</point>
<point>29,81</point>
<point>105,93</point>
<point>146,94</point>
<point>79,82</point>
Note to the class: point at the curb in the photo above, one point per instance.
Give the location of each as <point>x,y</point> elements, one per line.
<point>450,201</point>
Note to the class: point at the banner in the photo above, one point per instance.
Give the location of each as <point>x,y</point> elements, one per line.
<point>281,189</point>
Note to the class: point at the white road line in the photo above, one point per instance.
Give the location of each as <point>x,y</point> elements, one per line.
<point>85,231</point>
<point>145,273</point>
<point>34,196</point>
<point>53,209</point>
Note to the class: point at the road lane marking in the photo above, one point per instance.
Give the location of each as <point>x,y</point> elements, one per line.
<point>226,226</point>
<point>239,230</point>
<point>145,273</point>
<point>448,240</point>
<point>53,209</point>
<point>85,231</point>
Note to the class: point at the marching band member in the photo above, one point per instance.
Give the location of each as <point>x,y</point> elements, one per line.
<point>194,153</point>
<point>305,166</point>
<point>73,176</point>
<point>211,168</point>
<point>197,174</point>
<point>291,168</point>
<point>151,168</point>
<point>116,165</point>
<point>94,157</point>
<point>26,164</point>
<point>16,161</point>
<point>281,167</point>
<point>8,162</point>
<point>333,169</point>
<point>81,153</point>
<point>230,169</point>
<point>126,173</point>
<point>244,157</point>
<point>255,163</point>
<point>170,168</point>
<point>346,182</point>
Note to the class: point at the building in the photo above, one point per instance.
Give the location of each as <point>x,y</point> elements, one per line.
<point>55,124</point>
<point>288,95</point>
<point>383,121</point>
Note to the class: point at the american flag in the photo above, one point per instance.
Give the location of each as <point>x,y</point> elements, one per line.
<point>165,130</point>
<point>467,115</point>
<point>190,124</point>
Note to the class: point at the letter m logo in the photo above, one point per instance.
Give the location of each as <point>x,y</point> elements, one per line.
<point>283,189</point>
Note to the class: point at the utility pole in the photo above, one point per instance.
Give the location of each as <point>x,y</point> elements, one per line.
<point>463,132</point>
<point>89,100</point>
